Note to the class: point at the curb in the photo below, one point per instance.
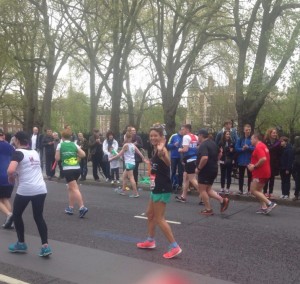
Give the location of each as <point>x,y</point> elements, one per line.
<point>231,196</point>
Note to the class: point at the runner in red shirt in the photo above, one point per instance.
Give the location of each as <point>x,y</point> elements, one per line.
<point>261,172</point>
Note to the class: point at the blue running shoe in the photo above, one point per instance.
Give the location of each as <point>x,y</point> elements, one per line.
<point>82,212</point>
<point>45,251</point>
<point>17,247</point>
<point>69,210</point>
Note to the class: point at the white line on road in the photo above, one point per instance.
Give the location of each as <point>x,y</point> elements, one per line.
<point>168,221</point>
<point>9,280</point>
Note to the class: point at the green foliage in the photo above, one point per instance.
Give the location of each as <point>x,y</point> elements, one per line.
<point>73,110</point>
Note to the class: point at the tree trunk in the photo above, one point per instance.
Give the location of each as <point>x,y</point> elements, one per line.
<point>94,102</point>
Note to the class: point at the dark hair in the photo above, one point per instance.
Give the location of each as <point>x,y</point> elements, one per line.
<point>108,133</point>
<point>227,122</point>
<point>284,138</point>
<point>22,137</point>
<point>223,136</point>
<point>187,126</point>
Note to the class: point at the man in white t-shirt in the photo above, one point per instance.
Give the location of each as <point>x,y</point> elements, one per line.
<point>189,150</point>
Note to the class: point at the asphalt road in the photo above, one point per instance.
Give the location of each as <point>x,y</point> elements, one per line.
<point>238,246</point>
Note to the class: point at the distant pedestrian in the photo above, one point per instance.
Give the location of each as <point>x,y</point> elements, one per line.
<point>69,153</point>
<point>261,172</point>
<point>26,169</point>
<point>161,188</point>
<point>6,189</point>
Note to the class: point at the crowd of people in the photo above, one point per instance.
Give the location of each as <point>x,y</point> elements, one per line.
<point>186,160</point>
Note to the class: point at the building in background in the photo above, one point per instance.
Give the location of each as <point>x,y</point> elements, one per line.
<point>8,122</point>
<point>210,106</point>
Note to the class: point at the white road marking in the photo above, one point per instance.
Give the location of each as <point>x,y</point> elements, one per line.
<point>9,280</point>
<point>168,221</point>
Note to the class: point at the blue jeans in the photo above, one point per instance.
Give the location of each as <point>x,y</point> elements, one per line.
<point>177,166</point>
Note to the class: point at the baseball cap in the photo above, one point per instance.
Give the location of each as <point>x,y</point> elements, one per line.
<point>202,131</point>
<point>1,132</point>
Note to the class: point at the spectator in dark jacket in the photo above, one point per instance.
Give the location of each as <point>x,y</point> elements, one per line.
<point>96,152</point>
<point>48,144</point>
<point>296,167</point>
<point>286,166</point>
<point>226,146</point>
<point>274,146</point>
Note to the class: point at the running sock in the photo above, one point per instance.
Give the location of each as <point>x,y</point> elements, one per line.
<point>173,245</point>
<point>150,239</point>
<point>80,207</point>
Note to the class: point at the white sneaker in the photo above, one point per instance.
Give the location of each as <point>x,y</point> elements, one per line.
<point>226,191</point>
<point>282,196</point>
<point>118,182</point>
<point>286,197</point>
<point>112,182</point>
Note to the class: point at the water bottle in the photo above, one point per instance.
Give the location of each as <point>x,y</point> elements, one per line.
<point>113,151</point>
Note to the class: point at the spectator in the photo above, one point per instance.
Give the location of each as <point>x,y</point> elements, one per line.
<point>274,146</point>
<point>296,167</point>
<point>244,149</point>
<point>286,165</point>
<point>114,165</point>
<point>175,143</point>
<point>48,144</point>
<point>226,147</point>
<point>109,142</point>
<point>137,141</point>
<point>95,152</point>
<point>84,145</point>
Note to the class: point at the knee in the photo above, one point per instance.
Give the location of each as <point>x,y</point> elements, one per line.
<point>150,216</point>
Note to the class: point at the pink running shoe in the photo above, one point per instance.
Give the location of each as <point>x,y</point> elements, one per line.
<point>146,245</point>
<point>173,252</point>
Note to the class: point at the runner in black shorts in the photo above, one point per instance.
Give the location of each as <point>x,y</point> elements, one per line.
<point>207,170</point>
<point>69,152</point>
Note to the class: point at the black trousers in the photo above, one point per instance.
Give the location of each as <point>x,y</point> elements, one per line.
<point>50,158</point>
<point>37,202</point>
<point>285,182</point>
<point>242,170</point>
<point>296,176</point>
<point>226,171</point>
<point>269,183</point>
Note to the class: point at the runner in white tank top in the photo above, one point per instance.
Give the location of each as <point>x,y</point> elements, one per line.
<point>128,152</point>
